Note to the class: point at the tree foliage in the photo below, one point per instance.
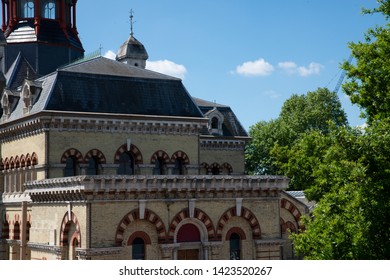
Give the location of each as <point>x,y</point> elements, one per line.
<point>349,170</point>
<point>299,114</point>
<point>368,78</point>
<point>350,181</point>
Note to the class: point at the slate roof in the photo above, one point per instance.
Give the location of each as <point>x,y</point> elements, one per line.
<point>231,125</point>
<point>18,72</point>
<point>102,85</point>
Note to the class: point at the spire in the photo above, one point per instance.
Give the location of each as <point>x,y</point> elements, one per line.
<point>131,22</point>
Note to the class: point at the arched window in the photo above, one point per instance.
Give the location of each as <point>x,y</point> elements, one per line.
<point>215,170</point>
<point>138,249</point>
<point>126,164</point>
<point>71,167</point>
<point>235,246</point>
<point>27,9</point>
<point>214,123</point>
<point>49,9</point>
<point>16,231</point>
<point>93,166</point>
<point>160,168</point>
<point>179,167</point>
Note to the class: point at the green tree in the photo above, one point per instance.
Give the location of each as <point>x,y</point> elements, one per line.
<point>369,75</point>
<point>350,179</point>
<point>299,114</point>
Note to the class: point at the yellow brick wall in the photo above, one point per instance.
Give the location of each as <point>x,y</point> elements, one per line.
<point>24,146</point>
<point>233,157</point>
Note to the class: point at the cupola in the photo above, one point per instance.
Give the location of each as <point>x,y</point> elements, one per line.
<point>132,51</point>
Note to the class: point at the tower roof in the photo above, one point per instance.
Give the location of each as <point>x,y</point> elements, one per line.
<point>132,49</point>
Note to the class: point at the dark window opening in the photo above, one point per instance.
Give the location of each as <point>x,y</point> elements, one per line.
<point>235,247</point>
<point>214,123</point>
<point>71,167</point>
<point>93,166</point>
<point>126,164</point>
<point>179,167</point>
<point>138,249</point>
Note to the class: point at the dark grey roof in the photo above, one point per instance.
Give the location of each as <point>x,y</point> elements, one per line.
<point>102,85</point>
<point>109,67</point>
<point>231,125</point>
<point>18,71</point>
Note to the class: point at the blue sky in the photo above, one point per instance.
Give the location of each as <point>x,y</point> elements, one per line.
<point>248,54</point>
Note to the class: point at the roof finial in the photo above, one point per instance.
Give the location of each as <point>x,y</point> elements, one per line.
<point>131,22</point>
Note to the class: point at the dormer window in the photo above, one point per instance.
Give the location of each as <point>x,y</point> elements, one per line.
<point>215,121</point>
<point>30,93</point>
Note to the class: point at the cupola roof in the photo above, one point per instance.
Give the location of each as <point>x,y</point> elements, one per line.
<point>132,49</point>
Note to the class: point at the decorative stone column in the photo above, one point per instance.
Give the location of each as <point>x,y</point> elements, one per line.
<point>168,251</point>
<point>215,249</point>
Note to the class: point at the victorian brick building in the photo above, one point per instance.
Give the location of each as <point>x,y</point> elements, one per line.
<point>103,159</point>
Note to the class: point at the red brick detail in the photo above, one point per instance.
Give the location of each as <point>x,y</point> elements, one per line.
<point>180,155</point>
<point>289,206</point>
<point>134,151</point>
<point>160,154</point>
<point>150,216</point>
<point>216,166</point>
<point>237,230</point>
<point>198,214</point>
<point>96,154</point>
<point>228,167</point>
<point>247,215</point>
<point>139,234</point>
<point>72,153</point>
<point>65,226</point>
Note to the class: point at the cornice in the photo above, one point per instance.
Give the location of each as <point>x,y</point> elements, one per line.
<point>116,188</point>
<point>223,143</point>
<point>107,123</point>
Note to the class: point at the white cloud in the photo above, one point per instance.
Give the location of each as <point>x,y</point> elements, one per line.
<point>292,68</point>
<point>167,67</point>
<point>289,66</point>
<point>258,67</point>
<point>272,94</point>
<point>110,54</point>
<point>314,68</point>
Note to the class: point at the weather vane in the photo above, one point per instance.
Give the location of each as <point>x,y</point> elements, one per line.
<point>131,22</point>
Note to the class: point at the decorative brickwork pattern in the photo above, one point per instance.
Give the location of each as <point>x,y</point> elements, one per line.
<point>198,214</point>
<point>18,161</point>
<point>95,153</point>
<point>136,153</point>
<point>150,216</point>
<point>247,215</point>
<point>180,155</point>
<point>160,154</point>
<point>65,226</point>
<point>72,153</point>
<point>289,206</point>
